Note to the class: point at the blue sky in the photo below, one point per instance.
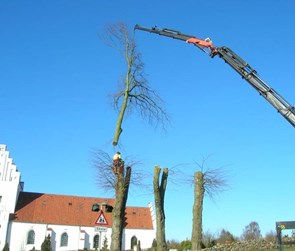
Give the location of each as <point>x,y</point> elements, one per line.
<point>56,75</point>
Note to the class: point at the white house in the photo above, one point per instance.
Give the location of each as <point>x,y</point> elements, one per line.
<point>73,222</point>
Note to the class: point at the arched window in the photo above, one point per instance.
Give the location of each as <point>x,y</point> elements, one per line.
<point>31,237</point>
<point>64,240</point>
<point>133,241</point>
<point>96,241</point>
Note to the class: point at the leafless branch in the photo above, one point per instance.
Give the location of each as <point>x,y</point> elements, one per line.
<point>215,179</point>
<point>106,179</point>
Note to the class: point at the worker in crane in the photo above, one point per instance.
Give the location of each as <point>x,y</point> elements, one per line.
<point>117,162</point>
<point>117,157</point>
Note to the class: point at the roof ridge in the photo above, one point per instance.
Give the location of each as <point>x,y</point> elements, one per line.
<point>67,195</point>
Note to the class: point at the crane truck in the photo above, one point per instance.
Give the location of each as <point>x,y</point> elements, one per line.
<point>237,63</point>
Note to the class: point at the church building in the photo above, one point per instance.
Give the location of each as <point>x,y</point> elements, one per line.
<point>72,222</point>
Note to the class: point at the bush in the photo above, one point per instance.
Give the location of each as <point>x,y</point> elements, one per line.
<point>46,245</point>
<point>225,237</point>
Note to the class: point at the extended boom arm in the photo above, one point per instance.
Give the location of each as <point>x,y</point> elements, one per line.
<point>238,64</point>
<point>201,44</point>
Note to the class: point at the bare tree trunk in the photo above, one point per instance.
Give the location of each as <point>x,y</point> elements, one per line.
<point>118,129</point>
<point>159,193</point>
<point>197,211</point>
<point>118,214</point>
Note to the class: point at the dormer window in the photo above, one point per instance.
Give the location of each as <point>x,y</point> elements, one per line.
<point>108,208</point>
<point>95,207</point>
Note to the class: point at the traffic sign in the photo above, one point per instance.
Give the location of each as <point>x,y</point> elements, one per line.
<point>101,220</point>
<point>100,229</point>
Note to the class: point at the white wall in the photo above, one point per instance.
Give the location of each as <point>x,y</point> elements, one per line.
<point>78,237</point>
<point>145,237</point>
<point>10,186</point>
<point>4,218</point>
<point>9,180</point>
<point>18,234</point>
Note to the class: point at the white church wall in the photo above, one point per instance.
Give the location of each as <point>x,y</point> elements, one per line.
<point>9,180</point>
<point>78,237</point>
<point>145,237</point>
<point>4,218</point>
<point>18,236</point>
<point>10,186</point>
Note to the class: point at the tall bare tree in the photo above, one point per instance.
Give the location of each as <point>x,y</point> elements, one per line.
<point>119,182</point>
<point>199,192</point>
<point>118,215</point>
<point>206,182</point>
<point>159,194</point>
<point>133,93</point>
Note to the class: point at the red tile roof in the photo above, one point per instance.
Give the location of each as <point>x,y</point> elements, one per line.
<point>73,210</point>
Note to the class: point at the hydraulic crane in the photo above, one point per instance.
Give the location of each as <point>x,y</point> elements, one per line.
<point>237,63</point>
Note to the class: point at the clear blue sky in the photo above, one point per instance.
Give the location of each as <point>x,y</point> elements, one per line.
<point>56,74</point>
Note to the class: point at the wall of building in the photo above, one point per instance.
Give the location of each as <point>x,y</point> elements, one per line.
<point>4,219</point>
<point>78,237</point>
<point>145,237</point>
<point>17,236</point>
<point>10,186</point>
<point>9,180</point>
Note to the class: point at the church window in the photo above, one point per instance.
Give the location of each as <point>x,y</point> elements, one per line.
<point>133,241</point>
<point>64,240</point>
<point>31,237</point>
<point>96,241</point>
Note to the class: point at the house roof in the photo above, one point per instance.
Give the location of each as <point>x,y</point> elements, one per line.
<point>73,210</point>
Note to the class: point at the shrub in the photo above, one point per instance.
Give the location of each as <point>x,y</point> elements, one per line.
<point>46,245</point>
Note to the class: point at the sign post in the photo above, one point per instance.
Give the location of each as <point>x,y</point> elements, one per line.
<point>280,226</point>
<point>101,221</point>
<point>100,229</point>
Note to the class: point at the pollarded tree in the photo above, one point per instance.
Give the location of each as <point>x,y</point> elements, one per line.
<point>118,182</point>
<point>199,191</point>
<point>118,214</point>
<point>159,195</point>
<point>208,182</point>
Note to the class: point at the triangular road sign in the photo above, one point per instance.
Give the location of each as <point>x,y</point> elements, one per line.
<point>101,220</point>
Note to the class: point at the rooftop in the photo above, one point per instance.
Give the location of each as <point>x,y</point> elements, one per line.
<point>74,211</point>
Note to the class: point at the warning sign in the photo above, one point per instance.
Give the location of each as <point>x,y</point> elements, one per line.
<point>101,220</point>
